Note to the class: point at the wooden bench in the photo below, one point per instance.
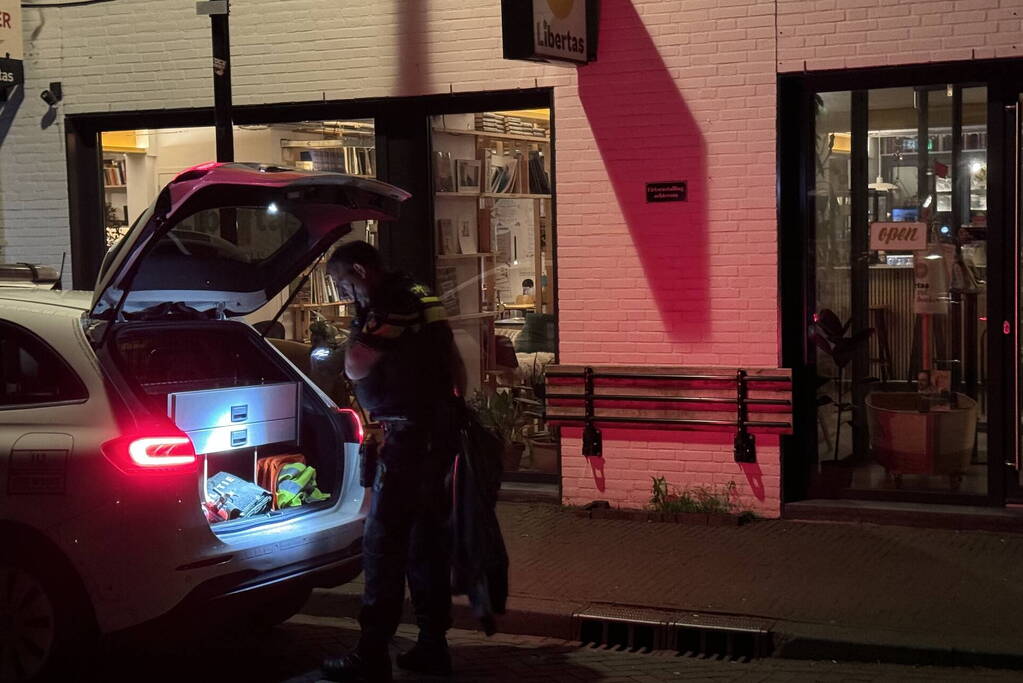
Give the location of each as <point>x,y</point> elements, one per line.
<point>744,401</point>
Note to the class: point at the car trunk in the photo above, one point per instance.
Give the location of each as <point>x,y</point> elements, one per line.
<point>247,412</point>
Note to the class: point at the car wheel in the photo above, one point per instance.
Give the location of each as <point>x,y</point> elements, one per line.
<point>280,607</point>
<point>39,631</point>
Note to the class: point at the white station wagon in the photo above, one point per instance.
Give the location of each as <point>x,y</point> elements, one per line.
<point>143,425</point>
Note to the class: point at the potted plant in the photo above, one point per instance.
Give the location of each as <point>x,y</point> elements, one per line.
<point>834,338</point>
<point>499,411</point>
<point>831,336</point>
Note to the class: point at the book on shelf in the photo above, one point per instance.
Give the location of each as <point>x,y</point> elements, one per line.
<point>466,236</point>
<point>320,288</point>
<point>522,179</point>
<point>483,231</point>
<point>443,172</point>
<point>448,237</point>
<point>505,176</point>
<point>113,172</point>
<point>447,289</point>
<point>333,156</point>
<point>539,180</point>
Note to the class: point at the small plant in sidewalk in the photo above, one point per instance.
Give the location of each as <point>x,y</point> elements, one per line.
<point>670,499</point>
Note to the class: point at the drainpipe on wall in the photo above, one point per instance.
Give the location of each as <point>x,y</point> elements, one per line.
<point>218,12</point>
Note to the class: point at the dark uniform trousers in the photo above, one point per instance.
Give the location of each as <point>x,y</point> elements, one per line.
<point>406,535</point>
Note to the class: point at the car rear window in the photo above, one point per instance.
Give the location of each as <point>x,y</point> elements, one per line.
<point>242,234</point>
<point>32,373</point>
<point>237,249</point>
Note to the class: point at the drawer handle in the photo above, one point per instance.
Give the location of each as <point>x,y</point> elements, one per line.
<point>239,437</point>
<point>239,413</point>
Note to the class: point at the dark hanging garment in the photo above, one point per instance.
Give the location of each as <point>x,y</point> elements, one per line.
<point>479,561</point>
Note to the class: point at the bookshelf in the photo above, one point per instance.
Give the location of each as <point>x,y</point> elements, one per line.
<point>492,218</point>
<point>493,195</point>
<point>318,297</point>
<point>115,195</point>
<point>342,146</point>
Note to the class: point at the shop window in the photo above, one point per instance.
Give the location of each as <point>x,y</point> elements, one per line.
<point>495,262</point>
<point>899,332</point>
<point>137,164</point>
<point>32,373</point>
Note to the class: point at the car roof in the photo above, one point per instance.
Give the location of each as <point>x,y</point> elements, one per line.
<point>29,300</point>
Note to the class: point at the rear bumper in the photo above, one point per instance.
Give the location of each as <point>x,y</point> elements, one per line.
<point>227,596</point>
<point>327,570</point>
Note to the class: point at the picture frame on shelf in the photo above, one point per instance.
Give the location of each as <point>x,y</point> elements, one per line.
<point>467,175</point>
<point>443,172</point>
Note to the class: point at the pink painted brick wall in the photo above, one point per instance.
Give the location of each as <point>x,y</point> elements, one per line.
<point>839,34</point>
<point>682,91</point>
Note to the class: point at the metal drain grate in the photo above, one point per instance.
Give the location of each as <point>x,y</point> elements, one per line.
<point>623,628</point>
<point>724,637</point>
<point>689,634</point>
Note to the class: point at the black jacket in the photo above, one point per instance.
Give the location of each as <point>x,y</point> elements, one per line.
<point>479,561</point>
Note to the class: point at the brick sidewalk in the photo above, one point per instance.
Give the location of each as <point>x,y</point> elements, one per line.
<point>831,590</point>
<point>292,652</point>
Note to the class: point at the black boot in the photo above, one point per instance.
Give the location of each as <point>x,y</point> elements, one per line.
<point>356,667</point>
<point>429,659</point>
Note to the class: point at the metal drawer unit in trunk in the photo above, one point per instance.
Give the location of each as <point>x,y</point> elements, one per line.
<point>218,420</point>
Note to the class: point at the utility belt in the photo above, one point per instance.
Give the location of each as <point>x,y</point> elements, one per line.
<point>369,452</point>
<point>430,426</point>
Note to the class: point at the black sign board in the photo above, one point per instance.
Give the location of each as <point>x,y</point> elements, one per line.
<point>12,73</point>
<point>551,31</point>
<point>672,191</point>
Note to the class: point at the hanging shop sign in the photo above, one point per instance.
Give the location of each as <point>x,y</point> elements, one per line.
<point>898,236</point>
<point>11,71</point>
<point>553,31</point>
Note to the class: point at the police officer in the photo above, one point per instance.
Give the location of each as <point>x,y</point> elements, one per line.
<point>407,373</point>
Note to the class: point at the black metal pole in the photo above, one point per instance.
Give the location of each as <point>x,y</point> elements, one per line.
<point>222,84</point>
<point>859,255</point>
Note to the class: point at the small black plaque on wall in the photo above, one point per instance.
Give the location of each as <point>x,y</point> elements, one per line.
<point>672,191</point>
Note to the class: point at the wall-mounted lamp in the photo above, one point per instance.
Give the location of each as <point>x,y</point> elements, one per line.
<point>53,94</point>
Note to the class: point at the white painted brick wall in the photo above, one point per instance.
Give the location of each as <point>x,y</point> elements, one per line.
<point>694,77</point>
<point>833,34</point>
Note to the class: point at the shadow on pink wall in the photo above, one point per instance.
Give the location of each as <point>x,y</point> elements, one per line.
<point>752,471</point>
<point>646,133</point>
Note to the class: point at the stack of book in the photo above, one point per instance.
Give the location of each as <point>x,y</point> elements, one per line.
<point>489,122</point>
<point>113,172</point>
<point>518,126</point>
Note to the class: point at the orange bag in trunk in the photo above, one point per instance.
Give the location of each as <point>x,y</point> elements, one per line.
<point>269,467</point>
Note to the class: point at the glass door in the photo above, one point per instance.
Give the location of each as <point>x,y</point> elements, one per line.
<point>899,326</point>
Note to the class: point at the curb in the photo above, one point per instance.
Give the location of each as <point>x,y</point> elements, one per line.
<point>554,619</point>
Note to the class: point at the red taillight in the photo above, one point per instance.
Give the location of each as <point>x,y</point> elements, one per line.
<point>356,422</point>
<point>165,452</point>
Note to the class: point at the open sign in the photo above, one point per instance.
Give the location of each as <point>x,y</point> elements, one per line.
<point>898,236</point>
